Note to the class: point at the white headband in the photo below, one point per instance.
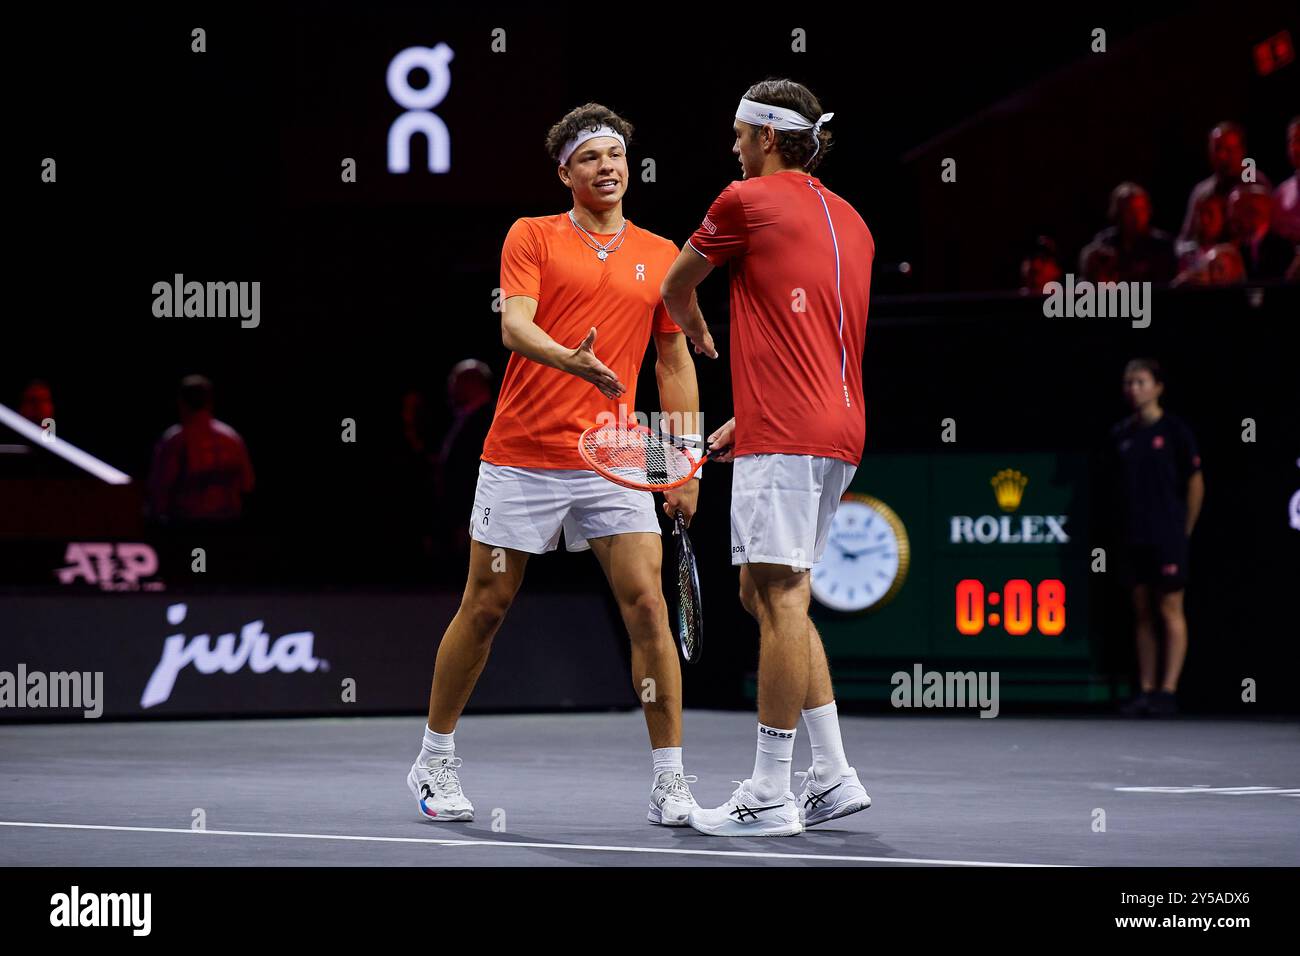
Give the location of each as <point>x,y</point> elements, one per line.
<point>585,135</point>
<point>761,114</point>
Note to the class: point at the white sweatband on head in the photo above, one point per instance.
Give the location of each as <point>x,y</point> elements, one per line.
<point>586,134</point>
<point>778,117</point>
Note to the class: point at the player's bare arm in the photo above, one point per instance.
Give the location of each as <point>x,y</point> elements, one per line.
<point>679,397</point>
<point>519,333</point>
<point>678,291</point>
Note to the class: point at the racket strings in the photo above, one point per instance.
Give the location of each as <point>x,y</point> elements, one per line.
<point>688,611</point>
<point>637,456</point>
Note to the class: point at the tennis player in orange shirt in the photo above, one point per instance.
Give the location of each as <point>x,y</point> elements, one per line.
<point>581,305</point>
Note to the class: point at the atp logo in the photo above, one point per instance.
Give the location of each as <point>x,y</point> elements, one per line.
<point>121,566</point>
<point>418,104</point>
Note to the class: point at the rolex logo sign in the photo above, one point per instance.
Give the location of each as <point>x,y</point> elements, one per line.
<point>1009,490</point>
<point>1009,486</point>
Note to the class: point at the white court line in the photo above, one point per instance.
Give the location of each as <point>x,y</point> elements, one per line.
<point>529,846</point>
<point>1218,791</point>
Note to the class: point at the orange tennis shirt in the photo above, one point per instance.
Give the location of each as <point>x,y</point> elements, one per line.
<point>541,411</point>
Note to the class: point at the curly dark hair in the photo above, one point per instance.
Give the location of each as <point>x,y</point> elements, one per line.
<point>588,116</point>
<point>797,147</point>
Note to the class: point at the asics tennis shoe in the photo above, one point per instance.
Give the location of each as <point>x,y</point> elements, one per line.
<point>744,815</point>
<point>822,801</point>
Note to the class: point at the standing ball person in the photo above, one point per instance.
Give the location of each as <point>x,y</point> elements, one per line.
<point>1162,488</point>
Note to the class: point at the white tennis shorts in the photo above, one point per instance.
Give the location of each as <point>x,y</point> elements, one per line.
<point>782,506</point>
<point>525,508</point>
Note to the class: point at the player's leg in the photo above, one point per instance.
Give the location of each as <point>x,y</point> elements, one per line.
<point>622,529</point>
<point>632,565</point>
<point>763,805</point>
<point>516,512</point>
<point>831,787</point>
<point>820,690</point>
<point>494,578</point>
<point>781,596</point>
<point>819,712</point>
<point>773,522</point>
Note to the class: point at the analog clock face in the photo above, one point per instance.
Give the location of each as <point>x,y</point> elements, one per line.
<point>866,556</point>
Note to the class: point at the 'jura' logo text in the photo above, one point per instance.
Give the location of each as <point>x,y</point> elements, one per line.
<point>292,652</point>
<point>103,909</point>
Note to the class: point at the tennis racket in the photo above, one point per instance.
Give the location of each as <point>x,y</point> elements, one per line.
<point>690,622</point>
<point>635,457</point>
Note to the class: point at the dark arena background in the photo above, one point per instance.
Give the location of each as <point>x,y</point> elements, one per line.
<point>263,672</point>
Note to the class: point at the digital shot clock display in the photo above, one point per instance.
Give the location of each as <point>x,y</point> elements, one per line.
<point>1019,607</point>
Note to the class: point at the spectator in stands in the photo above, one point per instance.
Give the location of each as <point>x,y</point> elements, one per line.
<point>1227,152</point>
<point>37,402</point>
<point>1286,201</point>
<point>201,469</point>
<point>1210,226</point>
<point>470,394</point>
<point>1099,262</point>
<point>1265,254</point>
<point>1039,267</point>
<point>1142,254</point>
<point>1220,266</point>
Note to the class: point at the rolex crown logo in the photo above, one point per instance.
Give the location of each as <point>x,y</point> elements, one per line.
<point>1009,486</point>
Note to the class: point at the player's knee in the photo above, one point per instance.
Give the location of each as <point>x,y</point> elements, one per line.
<point>485,610</point>
<point>781,601</point>
<point>748,600</point>
<point>1171,606</point>
<point>644,614</point>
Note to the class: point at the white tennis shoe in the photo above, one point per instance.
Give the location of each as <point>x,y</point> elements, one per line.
<point>436,786</point>
<point>671,801</point>
<point>831,800</point>
<point>744,815</point>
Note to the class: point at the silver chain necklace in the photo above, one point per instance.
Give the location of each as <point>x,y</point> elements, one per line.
<point>603,249</point>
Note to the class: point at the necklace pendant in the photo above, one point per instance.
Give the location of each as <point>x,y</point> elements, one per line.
<point>602,255</point>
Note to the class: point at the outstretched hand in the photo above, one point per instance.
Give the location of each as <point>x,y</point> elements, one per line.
<point>583,363</point>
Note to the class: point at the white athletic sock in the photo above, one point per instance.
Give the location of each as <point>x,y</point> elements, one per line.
<point>436,745</point>
<point>666,758</point>
<point>772,765</point>
<point>823,723</point>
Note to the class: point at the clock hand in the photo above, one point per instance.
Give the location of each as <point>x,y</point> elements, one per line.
<point>857,554</point>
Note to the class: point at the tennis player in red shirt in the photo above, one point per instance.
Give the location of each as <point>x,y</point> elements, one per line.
<point>800,260</point>
<point>575,285</point>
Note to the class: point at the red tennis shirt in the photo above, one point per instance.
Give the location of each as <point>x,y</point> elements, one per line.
<point>800,285</point>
